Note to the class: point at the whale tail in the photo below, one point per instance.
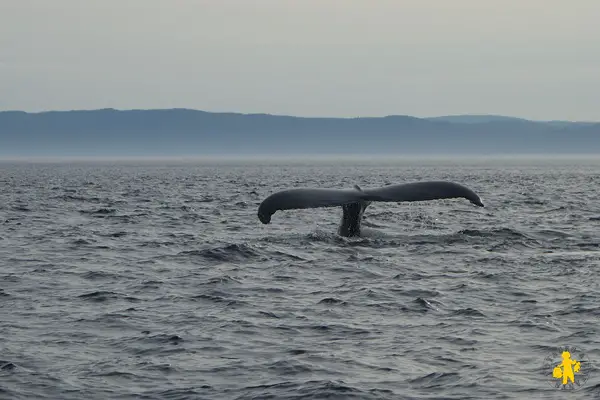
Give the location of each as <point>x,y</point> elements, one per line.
<point>355,201</point>
<point>365,202</point>
<point>352,214</point>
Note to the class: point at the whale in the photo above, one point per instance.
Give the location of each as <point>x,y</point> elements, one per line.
<point>354,201</point>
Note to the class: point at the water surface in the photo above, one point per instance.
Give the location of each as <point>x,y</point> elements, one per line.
<point>156,280</point>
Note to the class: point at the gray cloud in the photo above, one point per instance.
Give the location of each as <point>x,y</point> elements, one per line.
<point>536,58</point>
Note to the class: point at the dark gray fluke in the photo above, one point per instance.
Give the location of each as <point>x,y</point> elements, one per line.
<point>355,201</point>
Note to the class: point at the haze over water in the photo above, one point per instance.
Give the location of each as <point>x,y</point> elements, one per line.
<point>155,280</point>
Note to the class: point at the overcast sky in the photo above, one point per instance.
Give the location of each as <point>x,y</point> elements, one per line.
<point>537,59</point>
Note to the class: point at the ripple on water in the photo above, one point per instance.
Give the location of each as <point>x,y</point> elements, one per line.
<point>158,281</point>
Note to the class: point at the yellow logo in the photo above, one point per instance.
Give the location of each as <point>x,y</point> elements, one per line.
<point>567,368</point>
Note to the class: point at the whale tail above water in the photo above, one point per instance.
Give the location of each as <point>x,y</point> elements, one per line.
<point>355,201</point>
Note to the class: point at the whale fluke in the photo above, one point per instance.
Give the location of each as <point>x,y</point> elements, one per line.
<point>355,201</point>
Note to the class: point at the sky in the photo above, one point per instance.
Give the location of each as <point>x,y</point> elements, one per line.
<point>536,59</point>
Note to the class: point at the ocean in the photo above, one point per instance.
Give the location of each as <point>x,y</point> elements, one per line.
<point>148,279</point>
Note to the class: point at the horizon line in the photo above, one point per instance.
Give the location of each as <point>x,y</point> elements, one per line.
<point>381,157</point>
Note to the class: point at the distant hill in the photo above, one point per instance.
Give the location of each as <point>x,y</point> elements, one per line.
<point>184,132</point>
<point>482,119</point>
<point>475,119</point>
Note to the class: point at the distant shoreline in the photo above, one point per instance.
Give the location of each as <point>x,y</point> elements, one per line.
<point>175,133</point>
<point>320,159</point>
